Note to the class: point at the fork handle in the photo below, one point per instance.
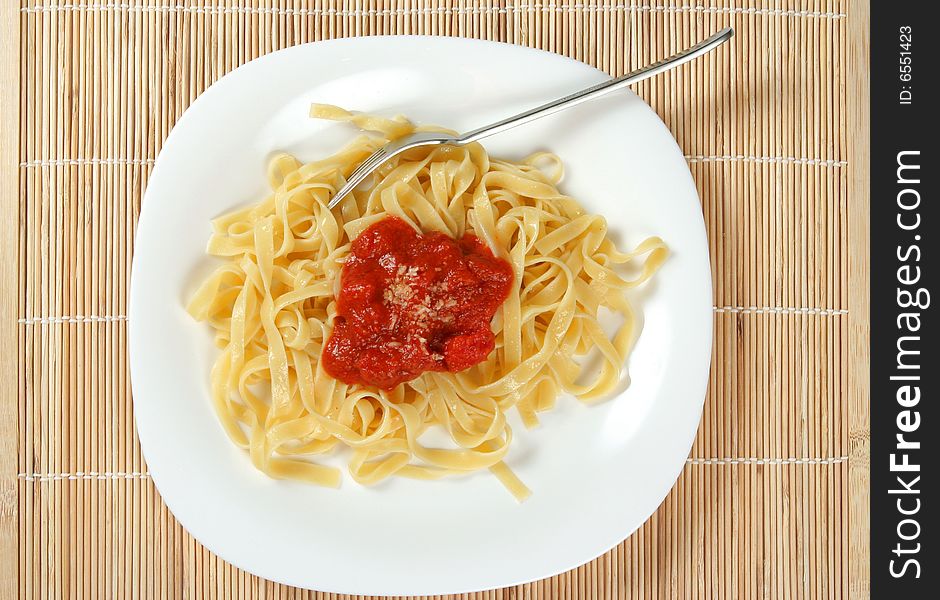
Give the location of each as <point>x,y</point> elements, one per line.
<point>600,89</point>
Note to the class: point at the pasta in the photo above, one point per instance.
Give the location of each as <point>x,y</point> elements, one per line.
<point>272,302</point>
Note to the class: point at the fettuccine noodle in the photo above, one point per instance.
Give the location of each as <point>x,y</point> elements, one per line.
<point>271,306</point>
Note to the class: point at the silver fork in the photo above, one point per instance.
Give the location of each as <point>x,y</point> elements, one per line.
<point>431,138</point>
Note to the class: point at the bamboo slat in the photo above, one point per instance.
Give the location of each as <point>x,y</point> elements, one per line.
<point>9,288</point>
<point>859,401</point>
<point>769,503</point>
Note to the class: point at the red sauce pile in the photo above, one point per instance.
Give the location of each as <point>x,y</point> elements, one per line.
<point>410,303</point>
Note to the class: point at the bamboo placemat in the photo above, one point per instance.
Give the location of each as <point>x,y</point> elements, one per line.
<point>772,502</point>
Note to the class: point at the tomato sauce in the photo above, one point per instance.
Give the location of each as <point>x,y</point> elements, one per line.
<point>411,303</point>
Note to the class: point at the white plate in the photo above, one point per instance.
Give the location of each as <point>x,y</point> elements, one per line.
<point>596,472</point>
